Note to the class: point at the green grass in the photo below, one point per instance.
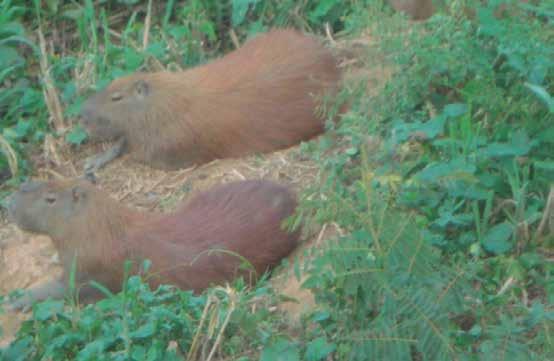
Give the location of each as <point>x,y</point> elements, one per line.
<point>438,184</point>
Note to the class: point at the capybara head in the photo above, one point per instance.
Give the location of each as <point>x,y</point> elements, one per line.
<point>45,207</point>
<point>123,104</point>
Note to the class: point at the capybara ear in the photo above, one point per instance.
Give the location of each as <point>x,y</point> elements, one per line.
<point>79,193</point>
<point>142,88</point>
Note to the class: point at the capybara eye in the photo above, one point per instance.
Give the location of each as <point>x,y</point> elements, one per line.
<point>116,97</point>
<point>50,199</point>
<point>141,87</point>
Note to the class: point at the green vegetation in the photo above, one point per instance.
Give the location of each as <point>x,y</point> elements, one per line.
<point>439,184</point>
<point>141,324</point>
<point>443,257</point>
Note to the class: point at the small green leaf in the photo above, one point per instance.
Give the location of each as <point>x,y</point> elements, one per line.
<point>92,350</point>
<point>323,8</point>
<point>455,110</point>
<point>102,289</point>
<point>15,39</point>
<point>426,130</point>
<point>69,91</point>
<point>138,353</point>
<point>497,239</point>
<point>12,28</point>
<point>19,350</point>
<point>475,249</point>
<point>74,108</point>
<point>144,331</point>
<point>133,59</point>
<point>8,56</point>
<point>23,128</point>
<point>73,14</point>
<point>351,151</point>
<point>76,136</point>
<point>146,265</point>
<point>156,49</point>
<point>47,309</point>
<point>505,150</point>
<point>178,32</point>
<point>531,259</point>
<point>7,71</point>
<point>546,165</point>
<point>255,27</point>
<point>280,350</point>
<point>240,8</point>
<point>53,5</point>
<point>318,349</point>
<point>456,169</point>
<point>475,331</point>
<point>543,94</point>
<point>207,28</point>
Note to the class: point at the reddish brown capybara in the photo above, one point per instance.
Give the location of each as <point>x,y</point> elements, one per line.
<point>259,98</point>
<point>238,221</point>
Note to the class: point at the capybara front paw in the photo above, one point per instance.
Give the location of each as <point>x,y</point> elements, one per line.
<point>92,165</point>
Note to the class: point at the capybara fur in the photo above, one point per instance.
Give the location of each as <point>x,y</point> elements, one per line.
<point>424,9</point>
<point>259,98</point>
<point>416,9</point>
<point>202,243</point>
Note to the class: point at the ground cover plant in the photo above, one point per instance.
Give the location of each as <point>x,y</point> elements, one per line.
<point>444,254</point>
<point>439,185</point>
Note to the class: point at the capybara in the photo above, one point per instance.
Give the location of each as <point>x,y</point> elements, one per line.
<point>416,9</point>
<point>259,98</point>
<point>202,243</point>
<point>424,9</point>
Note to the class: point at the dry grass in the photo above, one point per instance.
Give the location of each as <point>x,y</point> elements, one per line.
<point>10,155</point>
<point>51,97</point>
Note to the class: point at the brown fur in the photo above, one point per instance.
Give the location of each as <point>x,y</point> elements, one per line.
<point>416,9</point>
<point>424,9</point>
<point>259,98</point>
<point>243,217</point>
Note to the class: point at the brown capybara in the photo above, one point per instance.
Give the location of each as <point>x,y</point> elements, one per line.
<point>259,98</point>
<point>416,9</point>
<point>424,9</point>
<point>200,244</point>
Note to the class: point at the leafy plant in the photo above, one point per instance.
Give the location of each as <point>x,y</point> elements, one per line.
<point>144,324</point>
<point>437,220</point>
